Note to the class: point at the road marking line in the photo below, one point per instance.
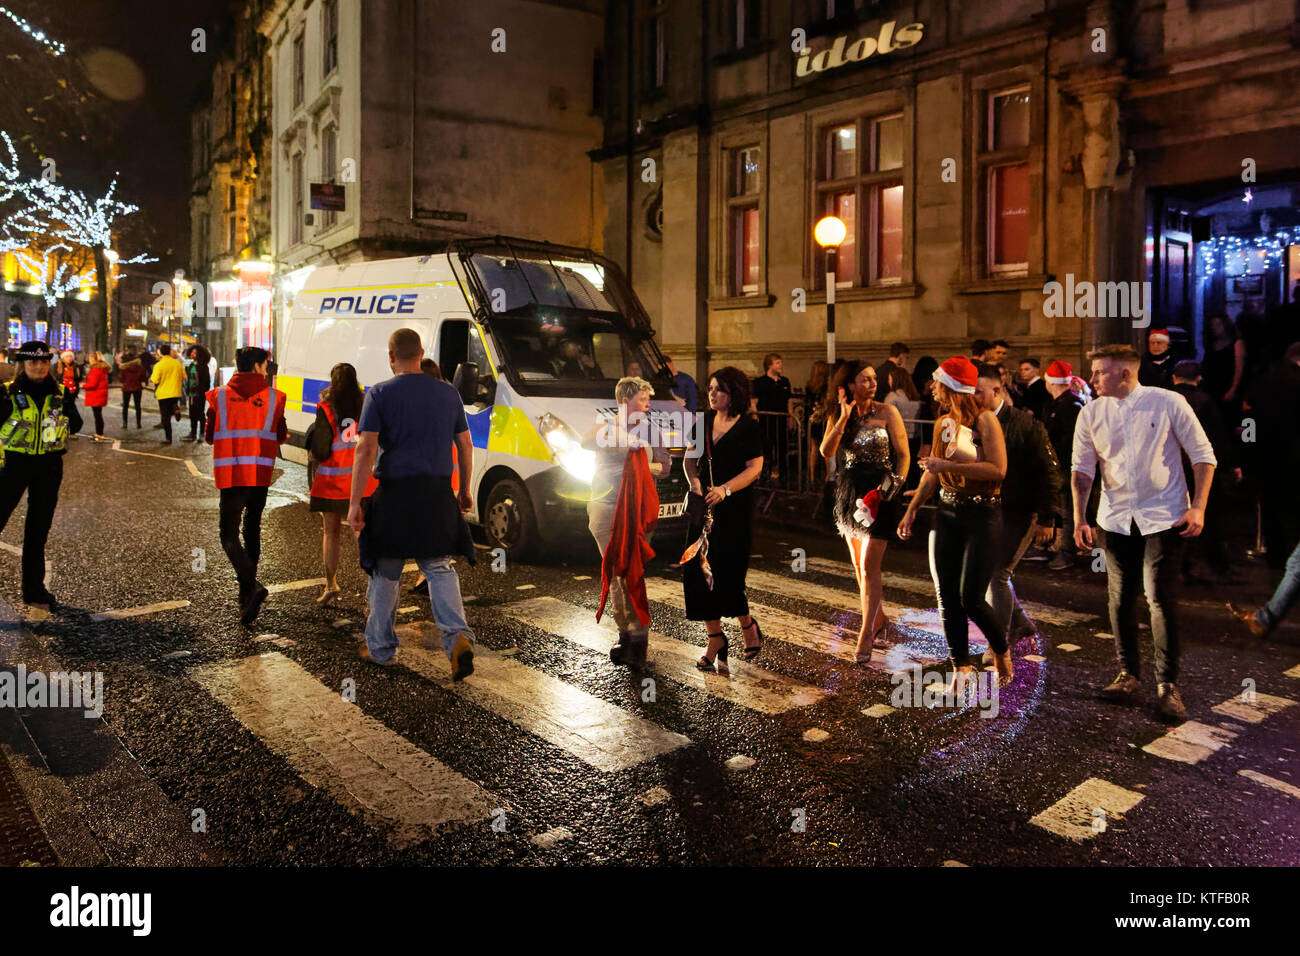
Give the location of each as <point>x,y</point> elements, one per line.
<point>525,587</point>
<point>825,637</point>
<point>1068,648</point>
<point>1072,816</point>
<point>748,686</point>
<point>815,735</point>
<point>1036,658</point>
<point>137,611</point>
<point>1293,672</point>
<point>148,454</point>
<point>1190,742</point>
<point>1279,785</point>
<point>740,762</point>
<point>595,731</point>
<point>295,585</point>
<point>903,582</point>
<point>1253,711</point>
<point>193,470</point>
<point>10,548</point>
<point>551,837</point>
<point>582,577</point>
<point>336,747</point>
<point>879,710</point>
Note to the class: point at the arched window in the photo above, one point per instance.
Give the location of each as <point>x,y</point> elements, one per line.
<point>42,324</point>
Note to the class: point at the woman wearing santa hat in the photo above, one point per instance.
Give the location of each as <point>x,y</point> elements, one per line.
<point>868,442</point>
<point>968,465</point>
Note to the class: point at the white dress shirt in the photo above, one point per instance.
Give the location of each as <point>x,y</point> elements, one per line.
<point>1139,441</point>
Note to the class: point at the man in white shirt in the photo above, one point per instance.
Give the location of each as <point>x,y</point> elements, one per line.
<point>1137,434</point>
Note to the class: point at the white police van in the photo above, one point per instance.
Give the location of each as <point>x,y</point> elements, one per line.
<point>534,337</point>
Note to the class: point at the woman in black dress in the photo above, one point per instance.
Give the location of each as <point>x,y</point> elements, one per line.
<point>868,442</point>
<point>1224,365</point>
<point>725,475</point>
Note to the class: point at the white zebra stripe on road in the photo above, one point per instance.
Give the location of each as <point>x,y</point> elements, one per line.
<point>138,611</point>
<point>1084,812</point>
<point>749,686</point>
<point>591,729</point>
<point>335,746</point>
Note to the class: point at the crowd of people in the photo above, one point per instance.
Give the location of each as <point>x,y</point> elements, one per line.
<point>1010,460</point>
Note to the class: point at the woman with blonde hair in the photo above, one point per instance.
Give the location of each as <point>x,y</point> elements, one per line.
<point>968,465</point>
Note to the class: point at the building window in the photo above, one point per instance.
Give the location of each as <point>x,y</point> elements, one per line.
<point>295,227</point>
<point>329,14</point>
<point>1004,168</point>
<point>598,84</point>
<point>328,168</point>
<point>655,54</point>
<point>747,28</point>
<point>231,243</point>
<point>298,58</point>
<point>745,234</point>
<point>230,199</point>
<point>860,180</point>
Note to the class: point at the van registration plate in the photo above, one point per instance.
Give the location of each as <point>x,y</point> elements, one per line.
<point>672,510</point>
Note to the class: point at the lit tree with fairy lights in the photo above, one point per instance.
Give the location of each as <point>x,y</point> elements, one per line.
<point>50,216</point>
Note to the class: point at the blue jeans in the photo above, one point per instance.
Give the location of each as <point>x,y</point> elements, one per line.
<point>444,597</point>
<point>1287,593</point>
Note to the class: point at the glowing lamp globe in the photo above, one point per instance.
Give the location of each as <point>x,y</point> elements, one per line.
<point>830,231</point>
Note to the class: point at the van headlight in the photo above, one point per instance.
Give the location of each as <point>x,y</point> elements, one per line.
<point>568,451</point>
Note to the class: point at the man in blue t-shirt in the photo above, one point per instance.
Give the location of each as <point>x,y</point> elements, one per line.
<point>410,422</point>
<point>684,387</point>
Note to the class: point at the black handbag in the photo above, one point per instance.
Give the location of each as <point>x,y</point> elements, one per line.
<point>697,508</point>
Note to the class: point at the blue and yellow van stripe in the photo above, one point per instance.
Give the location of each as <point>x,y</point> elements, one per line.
<point>500,428</point>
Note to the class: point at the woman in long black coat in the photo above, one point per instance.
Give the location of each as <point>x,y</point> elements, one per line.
<point>725,475</point>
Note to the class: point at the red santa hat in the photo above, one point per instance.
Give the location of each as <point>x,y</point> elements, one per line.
<point>1059,373</point>
<point>1158,334</point>
<point>958,374</point>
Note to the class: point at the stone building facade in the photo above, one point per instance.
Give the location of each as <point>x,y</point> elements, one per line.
<point>978,153</point>
<point>437,119</point>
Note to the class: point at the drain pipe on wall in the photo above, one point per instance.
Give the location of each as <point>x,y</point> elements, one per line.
<point>415,49</point>
<point>627,198</point>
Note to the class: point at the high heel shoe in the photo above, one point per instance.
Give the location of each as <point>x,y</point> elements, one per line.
<point>751,650</point>
<point>705,663</point>
<point>864,657</point>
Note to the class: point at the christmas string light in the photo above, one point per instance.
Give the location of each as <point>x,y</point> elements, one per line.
<point>54,46</point>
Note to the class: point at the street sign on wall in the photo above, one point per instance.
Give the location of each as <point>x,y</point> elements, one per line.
<point>328,196</point>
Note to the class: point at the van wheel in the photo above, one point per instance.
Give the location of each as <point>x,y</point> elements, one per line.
<point>508,519</point>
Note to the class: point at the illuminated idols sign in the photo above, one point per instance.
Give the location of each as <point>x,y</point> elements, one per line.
<point>837,55</point>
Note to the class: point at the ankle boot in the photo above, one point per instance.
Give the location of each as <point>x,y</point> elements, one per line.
<point>630,649</point>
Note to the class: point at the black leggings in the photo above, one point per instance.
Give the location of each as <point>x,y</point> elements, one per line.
<point>961,559</point>
<point>198,414</point>
<point>126,401</point>
<point>98,412</point>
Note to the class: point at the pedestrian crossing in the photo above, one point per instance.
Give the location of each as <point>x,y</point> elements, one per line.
<point>409,795</point>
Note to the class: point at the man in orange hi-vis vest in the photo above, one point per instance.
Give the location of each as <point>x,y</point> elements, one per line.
<point>245,428</point>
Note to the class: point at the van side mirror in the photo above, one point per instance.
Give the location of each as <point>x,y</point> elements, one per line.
<point>465,382</point>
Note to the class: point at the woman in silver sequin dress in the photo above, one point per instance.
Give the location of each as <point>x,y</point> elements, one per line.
<point>868,441</point>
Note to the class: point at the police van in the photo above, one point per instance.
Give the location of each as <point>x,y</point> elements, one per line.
<point>533,336</point>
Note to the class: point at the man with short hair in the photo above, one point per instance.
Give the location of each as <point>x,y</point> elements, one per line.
<point>1158,364</point>
<point>898,352</point>
<point>1138,435</point>
<point>1032,396</point>
<point>168,376</point>
<point>772,396</point>
<point>978,349</point>
<point>410,423</point>
<point>245,427</point>
<point>1032,501</point>
<point>996,352</point>
<point>684,388</point>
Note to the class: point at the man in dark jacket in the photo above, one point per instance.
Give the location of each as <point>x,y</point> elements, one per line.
<point>1032,500</point>
<point>1060,415</point>
<point>1271,403</point>
<point>36,416</point>
<point>1210,544</point>
<point>1158,364</point>
<point>1032,394</point>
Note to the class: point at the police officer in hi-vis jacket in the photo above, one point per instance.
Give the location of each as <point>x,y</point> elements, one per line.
<point>37,415</point>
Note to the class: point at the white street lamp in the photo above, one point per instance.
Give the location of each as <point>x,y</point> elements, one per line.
<point>829,233</point>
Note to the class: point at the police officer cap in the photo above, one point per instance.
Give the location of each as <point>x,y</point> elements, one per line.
<point>33,351</point>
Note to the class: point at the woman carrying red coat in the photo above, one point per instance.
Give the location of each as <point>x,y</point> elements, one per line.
<point>96,391</point>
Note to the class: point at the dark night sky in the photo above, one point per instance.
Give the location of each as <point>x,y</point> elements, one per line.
<point>145,139</point>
